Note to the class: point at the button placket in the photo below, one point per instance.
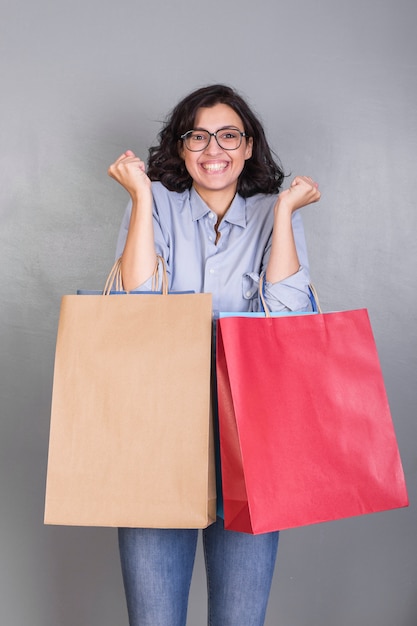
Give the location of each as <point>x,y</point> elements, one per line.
<point>211,232</point>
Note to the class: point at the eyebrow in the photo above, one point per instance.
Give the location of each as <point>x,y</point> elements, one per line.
<point>216,131</point>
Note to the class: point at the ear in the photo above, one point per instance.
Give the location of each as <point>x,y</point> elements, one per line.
<point>180,148</point>
<point>249,147</point>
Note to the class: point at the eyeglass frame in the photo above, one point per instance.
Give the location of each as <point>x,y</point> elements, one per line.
<point>242,134</point>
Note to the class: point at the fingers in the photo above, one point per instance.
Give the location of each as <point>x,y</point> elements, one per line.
<point>304,179</point>
<point>123,156</point>
<point>302,191</point>
<point>130,172</point>
<point>126,159</point>
<point>307,186</point>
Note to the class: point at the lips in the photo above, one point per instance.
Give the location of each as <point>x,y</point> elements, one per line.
<point>214,167</point>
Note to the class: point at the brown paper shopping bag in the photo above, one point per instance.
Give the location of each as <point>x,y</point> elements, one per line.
<point>131,433</point>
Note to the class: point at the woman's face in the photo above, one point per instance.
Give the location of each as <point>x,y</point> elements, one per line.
<point>215,169</point>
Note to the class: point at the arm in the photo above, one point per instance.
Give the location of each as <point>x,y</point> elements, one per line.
<point>283,261</point>
<point>139,256</point>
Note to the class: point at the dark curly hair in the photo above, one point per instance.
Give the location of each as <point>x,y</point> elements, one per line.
<point>261,173</point>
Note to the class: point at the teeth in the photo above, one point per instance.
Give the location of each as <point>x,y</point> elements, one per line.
<point>214,167</point>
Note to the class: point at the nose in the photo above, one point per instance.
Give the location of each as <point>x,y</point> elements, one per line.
<point>212,147</point>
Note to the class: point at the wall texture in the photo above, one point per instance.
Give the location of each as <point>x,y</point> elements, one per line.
<point>81,81</point>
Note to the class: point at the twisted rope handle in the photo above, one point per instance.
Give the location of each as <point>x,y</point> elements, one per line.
<point>160,261</point>
<point>115,277</point>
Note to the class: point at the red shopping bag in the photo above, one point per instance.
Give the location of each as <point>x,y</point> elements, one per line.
<point>306,433</point>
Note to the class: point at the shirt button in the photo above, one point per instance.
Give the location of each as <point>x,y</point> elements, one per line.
<point>211,216</point>
<point>248,294</point>
<point>210,238</point>
<point>212,271</point>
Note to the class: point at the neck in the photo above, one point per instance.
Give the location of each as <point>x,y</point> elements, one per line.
<point>218,201</point>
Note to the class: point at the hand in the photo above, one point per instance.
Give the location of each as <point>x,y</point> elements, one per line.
<point>302,191</point>
<point>129,171</point>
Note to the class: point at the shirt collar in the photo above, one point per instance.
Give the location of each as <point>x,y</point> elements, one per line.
<point>236,213</point>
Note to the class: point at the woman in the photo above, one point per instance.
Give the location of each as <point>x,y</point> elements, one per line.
<point>213,212</point>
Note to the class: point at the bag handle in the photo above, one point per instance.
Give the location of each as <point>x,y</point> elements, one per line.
<point>115,277</point>
<point>160,262</point>
<point>314,299</point>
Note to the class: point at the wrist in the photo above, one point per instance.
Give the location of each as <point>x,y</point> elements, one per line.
<point>141,199</point>
<point>283,207</point>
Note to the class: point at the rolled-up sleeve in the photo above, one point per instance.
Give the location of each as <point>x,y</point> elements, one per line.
<point>292,293</point>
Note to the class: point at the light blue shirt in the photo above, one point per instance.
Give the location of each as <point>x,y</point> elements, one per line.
<point>185,237</point>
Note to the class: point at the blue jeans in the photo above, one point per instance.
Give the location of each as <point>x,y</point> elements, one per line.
<point>157,566</point>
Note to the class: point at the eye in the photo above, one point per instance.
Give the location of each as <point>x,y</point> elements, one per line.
<point>229,135</point>
<point>198,136</point>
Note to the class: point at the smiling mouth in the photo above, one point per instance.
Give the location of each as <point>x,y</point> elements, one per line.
<point>214,167</point>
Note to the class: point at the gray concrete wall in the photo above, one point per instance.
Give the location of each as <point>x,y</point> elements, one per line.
<point>335,84</point>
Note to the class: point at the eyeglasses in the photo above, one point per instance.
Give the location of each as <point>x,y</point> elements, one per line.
<point>228,138</point>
